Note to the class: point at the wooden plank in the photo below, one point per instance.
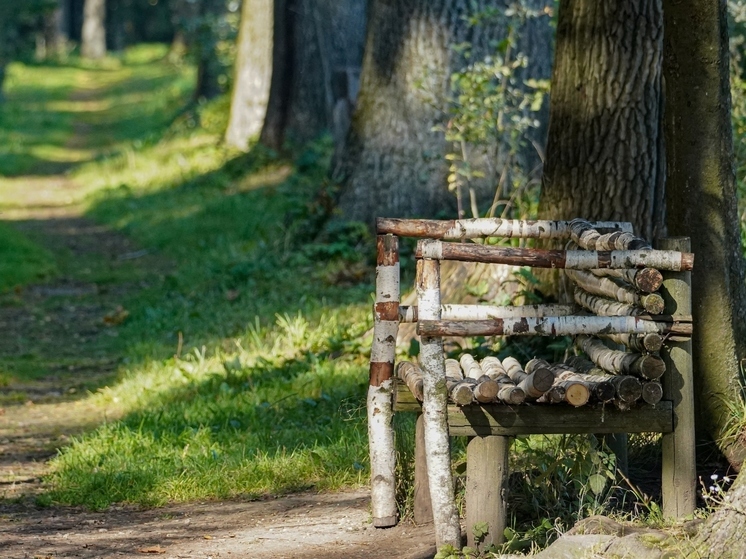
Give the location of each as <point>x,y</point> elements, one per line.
<point>679,464</point>
<point>486,480</point>
<point>533,419</point>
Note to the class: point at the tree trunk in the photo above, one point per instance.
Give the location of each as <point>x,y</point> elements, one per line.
<point>318,49</point>
<point>93,38</point>
<point>392,164</point>
<point>701,204</point>
<point>204,46</point>
<point>604,152</point>
<point>253,73</point>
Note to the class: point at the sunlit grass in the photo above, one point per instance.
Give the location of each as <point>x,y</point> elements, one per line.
<point>244,357</point>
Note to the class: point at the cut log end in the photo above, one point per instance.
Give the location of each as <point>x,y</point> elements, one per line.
<point>648,280</point>
<point>652,392</point>
<point>653,303</point>
<point>576,394</point>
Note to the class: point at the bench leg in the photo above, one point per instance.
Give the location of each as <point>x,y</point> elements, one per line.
<point>679,463</point>
<point>423,508</point>
<point>486,485</point>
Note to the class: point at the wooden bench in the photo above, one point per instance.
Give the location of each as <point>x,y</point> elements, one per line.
<point>489,426</point>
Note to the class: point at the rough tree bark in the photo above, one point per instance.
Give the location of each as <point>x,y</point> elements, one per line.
<point>604,150</point>
<point>701,203</point>
<point>253,72</point>
<point>392,163</point>
<point>317,52</point>
<point>93,38</point>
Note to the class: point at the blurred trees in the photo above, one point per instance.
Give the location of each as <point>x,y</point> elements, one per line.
<point>93,35</point>
<point>19,24</point>
<point>315,49</point>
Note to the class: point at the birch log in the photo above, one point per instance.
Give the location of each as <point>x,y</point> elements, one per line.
<point>460,391</point>
<point>409,314</point>
<point>453,369</point>
<point>461,229</point>
<point>588,237</point>
<point>641,343</point>
<point>649,367</point>
<point>627,388</point>
<point>434,410</point>
<point>554,395</point>
<point>470,367</point>
<point>602,306</point>
<point>508,392</point>
<point>555,326</point>
<point>607,287</point>
<point>652,392</point>
<point>412,375</point>
<point>535,383</point>
<point>568,259</point>
<point>647,280</point>
<point>379,401</point>
<point>577,391</point>
<point>601,387</point>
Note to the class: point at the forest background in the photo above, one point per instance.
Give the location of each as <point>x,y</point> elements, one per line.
<point>234,155</point>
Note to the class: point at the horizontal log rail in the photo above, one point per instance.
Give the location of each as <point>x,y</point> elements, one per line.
<point>410,314</point>
<point>459,229</point>
<point>570,259</point>
<point>558,326</point>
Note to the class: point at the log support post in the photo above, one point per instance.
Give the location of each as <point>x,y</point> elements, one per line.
<point>435,411</point>
<point>679,466</point>
<point>486,486</point>
<point>380,389</point>
<point>423,507</point>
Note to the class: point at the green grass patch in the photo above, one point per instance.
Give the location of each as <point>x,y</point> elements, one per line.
<point>21,260</point>
<point>244,360</point>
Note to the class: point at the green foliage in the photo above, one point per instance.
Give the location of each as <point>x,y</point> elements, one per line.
<point>491,110</point>
<point>556,481</point>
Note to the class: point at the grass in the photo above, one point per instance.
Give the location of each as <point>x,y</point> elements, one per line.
<point>21,260</point>
<point>242,365</point>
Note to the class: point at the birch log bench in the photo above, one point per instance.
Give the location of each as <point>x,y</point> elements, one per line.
<point>616,277</point>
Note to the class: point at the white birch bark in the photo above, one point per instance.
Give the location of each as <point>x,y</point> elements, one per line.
<point>409,314</point>
<point>551,326</point>
<point>382,454</point>
<point>623,293</point>
<point>486,227</point>
<point>435,412</point>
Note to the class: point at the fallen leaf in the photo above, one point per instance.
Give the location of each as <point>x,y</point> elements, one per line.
<point>207,537</point>
<point>152,549</point>
<point>117,316</point>
<point>232,294</point>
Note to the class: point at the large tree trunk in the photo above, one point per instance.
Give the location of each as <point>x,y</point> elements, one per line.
<point>318,49</point>
<point>701,204</point>
<point>253,72</point>
<point>604,151</point>
<point>204,46</point>
<point>392,163</point>
<point>93,38</point>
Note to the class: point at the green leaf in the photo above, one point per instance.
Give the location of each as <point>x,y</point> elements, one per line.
<point>597,483</point>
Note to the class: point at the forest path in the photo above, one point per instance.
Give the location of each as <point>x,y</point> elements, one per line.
<point>59,336</point>
<point>59,342</point>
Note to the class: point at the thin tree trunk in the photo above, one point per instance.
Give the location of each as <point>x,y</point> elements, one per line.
<point>253,72</point>
<point>93,38</point>
<point>701,201</point>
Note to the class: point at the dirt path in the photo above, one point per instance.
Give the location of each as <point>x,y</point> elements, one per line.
<point>57,336</point>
